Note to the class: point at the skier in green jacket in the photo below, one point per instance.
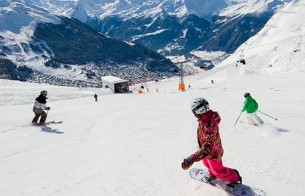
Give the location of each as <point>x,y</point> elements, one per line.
<point>250,107</point>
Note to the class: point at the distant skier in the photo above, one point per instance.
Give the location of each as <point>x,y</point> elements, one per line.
<point>95,97</point>
<point>242,61</point>
<point>250,107</point>
<point>40,107</point>
<point>210,148</point>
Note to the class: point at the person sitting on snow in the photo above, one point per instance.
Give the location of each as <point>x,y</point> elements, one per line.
<point>250,107</point>
<point>40,107</point>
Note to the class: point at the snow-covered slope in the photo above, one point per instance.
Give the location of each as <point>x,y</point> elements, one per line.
<point>133,144</point>
<point>244,7</point>
<point>18,20</point>
<point>279,46</point>
<point>16,15</point>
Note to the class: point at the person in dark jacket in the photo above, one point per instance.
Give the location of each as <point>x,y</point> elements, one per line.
<point>40,107</point>
<point>250,107</point>
<point>95,97</point>
<point>210,150</point>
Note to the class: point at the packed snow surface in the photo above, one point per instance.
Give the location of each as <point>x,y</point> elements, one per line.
<point>133,144</point>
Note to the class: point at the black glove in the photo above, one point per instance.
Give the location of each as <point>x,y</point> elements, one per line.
<point>48,108</point>
<point>187,162</point>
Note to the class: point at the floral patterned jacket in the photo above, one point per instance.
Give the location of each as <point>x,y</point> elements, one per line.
<point>208,137</point>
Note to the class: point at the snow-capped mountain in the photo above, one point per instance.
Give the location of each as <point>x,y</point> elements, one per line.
<point>50,45</point>
<point>181,26</point>
<point>138,8</point>
<point>42,35</point>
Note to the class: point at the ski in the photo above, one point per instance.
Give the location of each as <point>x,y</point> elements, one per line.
<point>53,122</point>
<point>48,123</point>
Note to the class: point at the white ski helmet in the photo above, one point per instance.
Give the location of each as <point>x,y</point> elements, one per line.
<point>200,106</point>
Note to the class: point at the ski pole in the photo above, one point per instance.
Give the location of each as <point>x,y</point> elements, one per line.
<point>267,115</point>
<point>238,118</point>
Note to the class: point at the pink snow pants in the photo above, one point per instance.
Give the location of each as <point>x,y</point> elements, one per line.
<point>216,168</point>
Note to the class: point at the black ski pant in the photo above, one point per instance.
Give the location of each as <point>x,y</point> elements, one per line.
<point>43,117</point>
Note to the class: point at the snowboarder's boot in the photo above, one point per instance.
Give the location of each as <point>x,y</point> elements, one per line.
<point>231,185</point>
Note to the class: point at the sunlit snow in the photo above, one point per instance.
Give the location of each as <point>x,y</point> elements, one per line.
<point>133,144</point>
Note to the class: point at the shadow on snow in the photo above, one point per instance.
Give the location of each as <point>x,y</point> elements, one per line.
<point>48,129</point>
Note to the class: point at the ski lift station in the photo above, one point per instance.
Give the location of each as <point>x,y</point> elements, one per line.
<point>117,85</point>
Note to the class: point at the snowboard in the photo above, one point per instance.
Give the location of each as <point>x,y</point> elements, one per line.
<point>238,190</point>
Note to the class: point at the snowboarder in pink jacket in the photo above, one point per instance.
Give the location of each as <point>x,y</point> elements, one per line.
<point>210,149</point>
